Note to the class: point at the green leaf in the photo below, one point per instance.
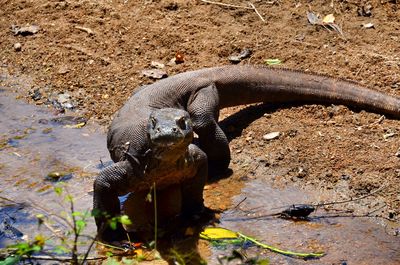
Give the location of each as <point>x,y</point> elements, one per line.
<point>80,225</point>
<point>76,214</point>
<point>96,213</point>
<point>11,260</point>
<point>273,61</point>
<point>69,198</point>
<point>58,190</point>
<point>124,219</point>
<point>149,198</point>
<point>113,224</point>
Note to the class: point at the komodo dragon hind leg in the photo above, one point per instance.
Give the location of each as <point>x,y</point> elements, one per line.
<point>204,112</point>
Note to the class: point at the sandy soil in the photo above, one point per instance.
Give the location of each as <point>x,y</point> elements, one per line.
<point>95,51</point>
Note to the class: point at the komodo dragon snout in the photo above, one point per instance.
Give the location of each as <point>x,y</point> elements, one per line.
<point>169,127</point>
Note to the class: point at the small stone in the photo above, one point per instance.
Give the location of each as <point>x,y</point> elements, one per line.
<point>58,176</point>
<point>368,26</point>
<point>397,153</point>
<point>36,95</point>
<point>17,47</point>
<point>271,136</point>
<point>157,65</point>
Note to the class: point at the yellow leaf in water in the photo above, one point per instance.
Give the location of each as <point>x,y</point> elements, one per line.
<point>328,19</point>
<point>215,233</point>
<point>75,126</point>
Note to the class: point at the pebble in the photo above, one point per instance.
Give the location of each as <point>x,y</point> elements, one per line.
<point>271,136</point>
<point>17,47</point>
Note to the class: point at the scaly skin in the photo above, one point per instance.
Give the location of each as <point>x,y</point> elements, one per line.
<point>150,137</point>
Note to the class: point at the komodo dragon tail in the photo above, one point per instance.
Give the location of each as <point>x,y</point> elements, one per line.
<point>244,85</point>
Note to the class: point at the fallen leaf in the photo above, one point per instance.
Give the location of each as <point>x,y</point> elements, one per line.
<point>273,61</point>
<point>328,19</point>
<point>75,126</point>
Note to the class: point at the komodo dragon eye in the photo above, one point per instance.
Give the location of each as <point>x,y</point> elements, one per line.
<point>181,122</point>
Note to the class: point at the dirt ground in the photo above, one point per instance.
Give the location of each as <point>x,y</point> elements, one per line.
<point>96,50</point>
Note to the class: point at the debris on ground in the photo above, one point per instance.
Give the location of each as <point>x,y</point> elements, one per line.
<point>271,135</point>
<point>326,22</point>
<point>223,236</point>
<point>245,53</point>
<point>155,73</point>
<point>25,30</point>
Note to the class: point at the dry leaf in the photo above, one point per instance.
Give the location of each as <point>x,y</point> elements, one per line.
<point>328,19</point>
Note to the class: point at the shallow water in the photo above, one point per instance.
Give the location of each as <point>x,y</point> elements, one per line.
<point>345,240</point>
<point>32,145</point>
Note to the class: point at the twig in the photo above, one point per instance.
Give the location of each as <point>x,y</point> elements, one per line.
<point>359,69</point>
<point>64,259</point>
<point>353,199</point>
<point>87,30</point>
<point>227,5</point>
<point>255,10</point>
<point>239,203</point>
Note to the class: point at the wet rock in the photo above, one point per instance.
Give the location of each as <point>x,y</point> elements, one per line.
<point>56,176</point>
<point>17,47</point>
<point>35,94</point>
<point>7,230</point>
<point>25,30</point>
<point>65,100</point>
<point>271,136</point>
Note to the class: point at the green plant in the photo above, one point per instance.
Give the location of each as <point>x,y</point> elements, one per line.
<point>61,246</point>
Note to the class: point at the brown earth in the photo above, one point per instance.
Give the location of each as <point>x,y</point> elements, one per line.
<point>95,51</point>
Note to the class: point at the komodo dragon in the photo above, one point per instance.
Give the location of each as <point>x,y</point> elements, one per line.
<point>150,138</point>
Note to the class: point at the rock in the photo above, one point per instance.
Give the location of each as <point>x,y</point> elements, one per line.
<point>17,47</point>
<point>242,55</point>
<point>58,176</point>
<point>65,101</point>
<point>271,136</point>
<point>155,73</point>
<point>35,94</point>
<point>25,30</point>
<point>157,65</point>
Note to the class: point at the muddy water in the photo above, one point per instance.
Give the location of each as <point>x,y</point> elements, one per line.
<point>345,240</point>
<point>33,143</point>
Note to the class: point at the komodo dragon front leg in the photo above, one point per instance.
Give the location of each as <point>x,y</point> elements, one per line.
<point>113,181</point>
<point>204,111</point>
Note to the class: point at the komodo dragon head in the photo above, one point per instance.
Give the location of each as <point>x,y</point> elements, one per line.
<point>170,132</point>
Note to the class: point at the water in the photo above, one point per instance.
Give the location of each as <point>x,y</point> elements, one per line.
<point>345,240</point>
<point>33,143</point>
